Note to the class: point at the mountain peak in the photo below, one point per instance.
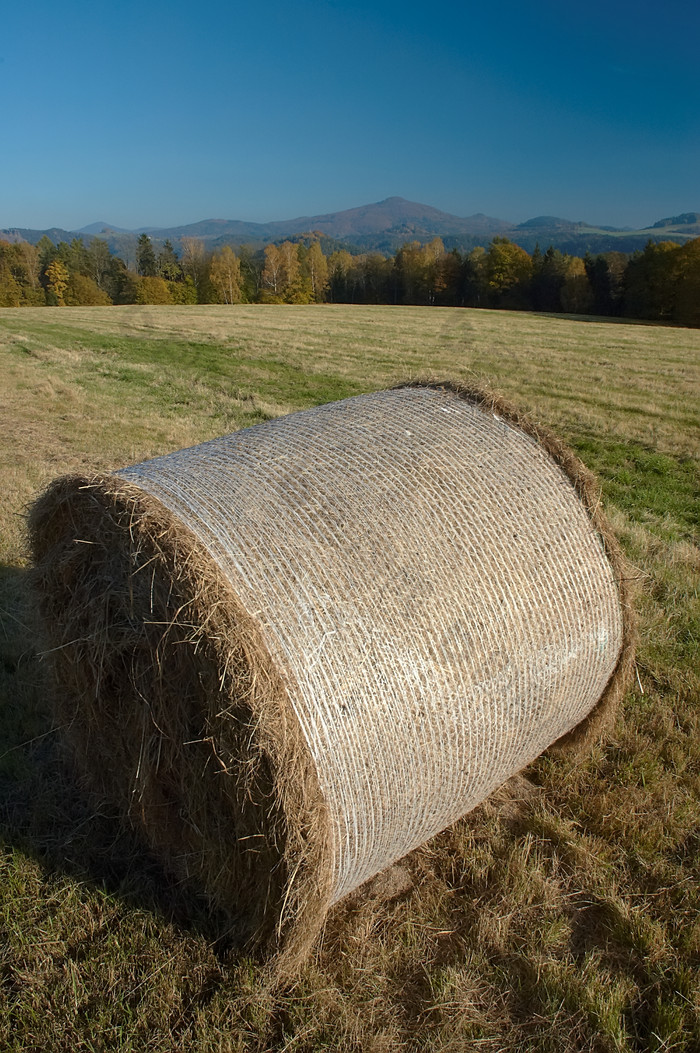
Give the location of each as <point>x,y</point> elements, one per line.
<point>100,227</point>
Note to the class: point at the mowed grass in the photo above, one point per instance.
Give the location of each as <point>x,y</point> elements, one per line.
<point>564,914</point>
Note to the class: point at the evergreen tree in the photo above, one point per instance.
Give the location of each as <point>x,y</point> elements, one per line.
<point>605,274</point>
<point>687,305</point>
<point>146,264</point>
<point>549,272</point>
<point>168,263</point>
<point>46,251</point>
<point>650,281</point>
<point>77,258</point>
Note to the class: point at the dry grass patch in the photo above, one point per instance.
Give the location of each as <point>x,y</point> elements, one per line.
<point>563,920</point>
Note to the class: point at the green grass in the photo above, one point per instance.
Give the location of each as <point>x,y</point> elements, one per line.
<point>656,489</point>
<point>564,914</point>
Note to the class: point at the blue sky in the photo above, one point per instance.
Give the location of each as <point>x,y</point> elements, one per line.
<point>158,113</point>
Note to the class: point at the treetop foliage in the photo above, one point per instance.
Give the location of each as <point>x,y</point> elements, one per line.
<point>662,282</point>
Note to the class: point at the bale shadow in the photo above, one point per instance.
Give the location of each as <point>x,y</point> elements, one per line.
<point>46,813</point>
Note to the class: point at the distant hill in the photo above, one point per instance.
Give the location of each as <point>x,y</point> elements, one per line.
<point>102,228</point>
<point>54,234</point>
<point>685,219</point>
<point>385,225</point>
<point>549,223</point>
<point>686,223</point>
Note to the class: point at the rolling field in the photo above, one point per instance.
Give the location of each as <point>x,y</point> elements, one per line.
<point>561,915</point>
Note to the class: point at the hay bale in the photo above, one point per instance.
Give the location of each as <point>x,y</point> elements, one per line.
<point>295,653</point>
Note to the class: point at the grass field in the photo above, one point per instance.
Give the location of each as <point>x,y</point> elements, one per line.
<point>564,914</point>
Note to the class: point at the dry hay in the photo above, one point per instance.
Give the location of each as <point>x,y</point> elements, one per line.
<point>293,654</point>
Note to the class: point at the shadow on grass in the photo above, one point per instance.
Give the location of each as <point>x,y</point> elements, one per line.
<point>46,815</point>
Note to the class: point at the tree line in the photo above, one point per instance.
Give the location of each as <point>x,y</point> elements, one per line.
<point>659,283</point>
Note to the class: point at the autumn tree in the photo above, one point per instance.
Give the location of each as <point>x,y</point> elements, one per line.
<point>473,279</point>
<point>19,275</point>
<point>28,260</point>
<point>99,261</point>
<point>83,291</point>
<point>252,264</point>
<point>432,256</point>
<point>449,290</point>
<point>10,287</point>
<point>507,272</point>
<point>317,269</point>
<point>273,271</point>
<point>576,295</point>
<point>57,276</point>
<point>339,269</point>
<point>409,269</point>
<point>225,275</point>
<point>292,287</point>
<point>152,289</point>
<point>374,273</point>
<point>195,266</point>
<point>183,291</point>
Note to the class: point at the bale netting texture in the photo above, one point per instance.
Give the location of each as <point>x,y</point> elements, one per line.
<point>295,653</point>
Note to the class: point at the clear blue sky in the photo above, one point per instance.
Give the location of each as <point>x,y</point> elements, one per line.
<point>163,113</point>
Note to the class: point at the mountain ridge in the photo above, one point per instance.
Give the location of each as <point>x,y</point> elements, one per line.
<point>384,225</point>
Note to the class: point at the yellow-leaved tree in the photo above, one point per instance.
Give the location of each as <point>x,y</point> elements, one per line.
<point>225,275</point>
<point>317,266</point>
<point>57,278</point>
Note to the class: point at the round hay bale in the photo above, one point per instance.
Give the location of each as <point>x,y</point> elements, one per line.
<point>295,653</point>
